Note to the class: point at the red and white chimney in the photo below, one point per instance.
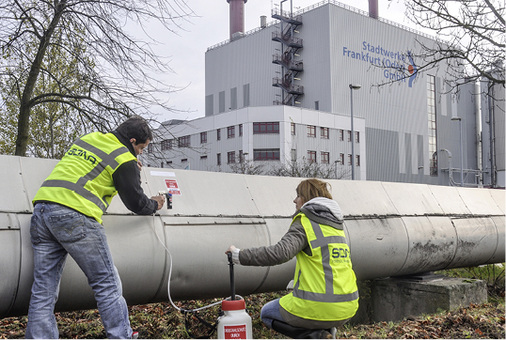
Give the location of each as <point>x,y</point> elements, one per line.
<point>236,17</point>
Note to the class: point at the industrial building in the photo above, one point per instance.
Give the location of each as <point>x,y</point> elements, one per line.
<point>338,86</point>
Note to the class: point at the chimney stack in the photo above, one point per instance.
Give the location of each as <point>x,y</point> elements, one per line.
<point>373,9</point>
<point>263,21</point>
<point>236,18</point>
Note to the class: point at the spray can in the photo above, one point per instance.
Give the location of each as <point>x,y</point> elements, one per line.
<point>235,323</point>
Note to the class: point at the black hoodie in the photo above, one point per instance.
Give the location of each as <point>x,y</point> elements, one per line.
<point>127,180</point>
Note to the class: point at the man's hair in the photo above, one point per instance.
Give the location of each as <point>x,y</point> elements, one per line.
<point>311,188</point>
<point>136,127</point>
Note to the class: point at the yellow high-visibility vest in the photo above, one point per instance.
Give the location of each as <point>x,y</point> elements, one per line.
<point>82,180</point>
<point>325,287</point>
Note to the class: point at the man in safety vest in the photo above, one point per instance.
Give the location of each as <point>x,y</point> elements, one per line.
<point>67,219</point>
<point>325,293</point>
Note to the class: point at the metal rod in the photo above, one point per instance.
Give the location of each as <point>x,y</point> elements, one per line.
<point>232,283</point>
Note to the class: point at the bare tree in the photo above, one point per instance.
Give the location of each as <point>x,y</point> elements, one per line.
<point>247,167</point>
<point>116,70</point>
<point>471,38</point>
<point>53,125</point>
<point>308,169</point>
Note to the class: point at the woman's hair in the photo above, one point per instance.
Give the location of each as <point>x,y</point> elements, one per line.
<point>311,188</point>
<point>136,127</point>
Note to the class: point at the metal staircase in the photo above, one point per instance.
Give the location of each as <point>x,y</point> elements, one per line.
<point>288,59</point>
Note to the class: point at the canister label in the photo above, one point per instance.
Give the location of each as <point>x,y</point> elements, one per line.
<point>235,332</point>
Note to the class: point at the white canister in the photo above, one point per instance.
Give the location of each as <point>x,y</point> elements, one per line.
<point>235,322</point>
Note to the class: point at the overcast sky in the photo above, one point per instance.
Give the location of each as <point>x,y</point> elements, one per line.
<point>187,51</point>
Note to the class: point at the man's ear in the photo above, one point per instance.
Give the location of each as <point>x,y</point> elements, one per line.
<point>133,140</point>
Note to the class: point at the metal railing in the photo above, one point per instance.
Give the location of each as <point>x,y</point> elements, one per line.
<point>335,3</point>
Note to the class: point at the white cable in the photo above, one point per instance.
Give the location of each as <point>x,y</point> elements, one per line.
<point>170,274</point>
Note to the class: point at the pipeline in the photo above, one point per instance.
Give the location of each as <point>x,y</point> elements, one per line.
<point>393,228</point>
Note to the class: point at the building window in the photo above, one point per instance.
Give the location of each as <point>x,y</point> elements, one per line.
<point>203,157</point>
<point>432,124</point>
<point>218,134</point>
<point>341,135</point>
<point>357,136</point>
<point>324,132</point>
<point>221,102</point>
<point>245,95</point>
<point>266,155</point>
<point>209,105</point>
<point>230,157</point>
<point>349,135</point>
<point>357,160</point>
<point>203,137</point>
<point>311,156</point>
<point>150,147</point>
<point>349,159</point>
<point>231,132</point>
<point>317,105</point>
<point>341,158</point>
<point>183,142</point>
<point>240,130</point>
<point>218,158</point>
<point>166,144</point>
<point>265,127</point>
<point>311,131</point>
<point>241,156</point>
<point>325,159</point>
<point>184,160</point>
<point>292,126</point>
<point>233,98</point>
<point>293,154</point>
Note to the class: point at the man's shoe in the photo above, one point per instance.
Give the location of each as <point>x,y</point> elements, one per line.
<point>325,334</point>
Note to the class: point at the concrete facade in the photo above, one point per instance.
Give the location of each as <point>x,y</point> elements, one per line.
<point>239,144</point>
<point>409,132</point>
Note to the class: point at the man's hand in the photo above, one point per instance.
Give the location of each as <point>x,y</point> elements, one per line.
<point>160,199</point>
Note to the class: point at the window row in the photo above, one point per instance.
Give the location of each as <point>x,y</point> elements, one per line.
<point>325,157</point>
<point>182,142</point>
<point>231,157</point>
<point>230,133</point>
<point>258,128</point>
<point>325,134</point>
<point>258,155</point>
<point>274,155</point>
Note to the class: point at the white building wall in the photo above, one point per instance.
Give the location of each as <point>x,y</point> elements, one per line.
<point>248,142</point>
<point>335,41</point>
<point>236,64</point>
<point>393,117</point>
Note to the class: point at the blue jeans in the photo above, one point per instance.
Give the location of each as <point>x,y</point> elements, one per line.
<point>55,232</point>
<point>270,312</point>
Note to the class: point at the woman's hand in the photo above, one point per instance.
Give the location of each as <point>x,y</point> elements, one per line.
<point>231,249</point>
<point>235,253</point>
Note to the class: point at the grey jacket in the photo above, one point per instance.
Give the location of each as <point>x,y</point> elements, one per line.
<point>321,210</point>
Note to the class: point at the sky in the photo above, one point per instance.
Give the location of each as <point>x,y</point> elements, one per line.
<point>210,26</point>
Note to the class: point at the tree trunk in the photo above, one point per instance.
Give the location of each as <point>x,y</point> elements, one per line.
<point>26,103</point>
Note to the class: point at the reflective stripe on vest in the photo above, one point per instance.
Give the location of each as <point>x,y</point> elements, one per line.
<point>329,296</point>
<point>79,186</point>
<point>82,180</point>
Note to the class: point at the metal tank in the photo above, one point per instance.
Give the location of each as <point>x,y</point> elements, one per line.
<point>393,228</point>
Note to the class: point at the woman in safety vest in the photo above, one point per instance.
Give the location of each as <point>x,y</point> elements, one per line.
<point>325,292</point>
